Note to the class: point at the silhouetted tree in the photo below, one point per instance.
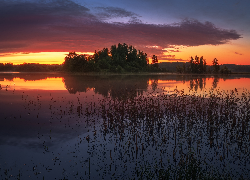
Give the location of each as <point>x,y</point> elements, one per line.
<point>197,65</point>
<point>119,54</point>
<point>75,62</point>
<point>120,58</point>
<point>103,54</point>
<point>155,65</point>
<point>128,58</point>
<point>216,66</point>
<point>192,65</point>
<point>204,66</point>
<point>1,66</point>
<point>8,67</point>
<point>201,65</point>
<point>154,59</point>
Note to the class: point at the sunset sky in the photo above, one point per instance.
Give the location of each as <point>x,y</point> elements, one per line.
<point>44,31</point>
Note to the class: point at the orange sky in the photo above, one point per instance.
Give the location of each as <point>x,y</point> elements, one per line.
<point>235,53</point>
<point>48,30</point>
<point>41,57</point>
<point>230,53</point>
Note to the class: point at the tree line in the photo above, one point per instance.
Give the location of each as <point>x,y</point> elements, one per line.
<point>30,67</point>
<point>198,65</point>
<point>120,58</point>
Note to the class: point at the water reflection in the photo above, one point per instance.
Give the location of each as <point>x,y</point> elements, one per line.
<point>29,76</point>
<point>123,86</point>
<point>131,86</point>
<point>110,127</point>
<point>177,130</point>
<point>117,86</point>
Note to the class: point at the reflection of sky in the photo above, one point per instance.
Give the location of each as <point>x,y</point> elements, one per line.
<point>208,84</point>
<point>44,84</point>
<point>39,129</point>
<point>27,112</point>
<point>168,85</point>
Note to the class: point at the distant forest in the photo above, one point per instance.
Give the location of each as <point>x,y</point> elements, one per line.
<point>198,65</point>
<point>122,59</point>
<point>30,67</point>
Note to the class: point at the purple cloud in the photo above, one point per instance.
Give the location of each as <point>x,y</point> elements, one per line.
<point>113,12</point>
<point>66,26</point>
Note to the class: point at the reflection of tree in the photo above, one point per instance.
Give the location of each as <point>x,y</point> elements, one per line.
<point>128,86</point>
<point>117,86</point>
<point>201,83</point>
<point>154,84</point>
<point>197,83</point>
<point>215,82</point>
<point>191,84</point>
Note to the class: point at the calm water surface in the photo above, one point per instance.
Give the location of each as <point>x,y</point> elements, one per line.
<point>57,126</point>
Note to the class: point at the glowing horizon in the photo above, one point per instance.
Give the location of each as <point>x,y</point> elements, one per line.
<point>225,53</point>
<point>39,57</point>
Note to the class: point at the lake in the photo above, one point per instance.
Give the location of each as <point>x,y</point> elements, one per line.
<point>64,126</point>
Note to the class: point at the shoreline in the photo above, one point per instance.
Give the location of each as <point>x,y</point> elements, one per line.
<point>125,73</point>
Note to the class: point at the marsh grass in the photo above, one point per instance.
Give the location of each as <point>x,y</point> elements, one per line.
<point>189,123</point>
<point>156,135</point>
<point>189,170</point>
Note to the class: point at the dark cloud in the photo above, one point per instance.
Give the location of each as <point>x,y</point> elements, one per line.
<point>238,53</point>
<point>225,14</point>
<point>173,50</point>
<point>151,49</point>
<point>173,59</point>
<point>169,56</point>
<point>28,13</point>
<point>66,26</point>
<point>114,12</point>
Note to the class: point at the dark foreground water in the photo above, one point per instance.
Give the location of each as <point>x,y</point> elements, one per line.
<point>55,126</point>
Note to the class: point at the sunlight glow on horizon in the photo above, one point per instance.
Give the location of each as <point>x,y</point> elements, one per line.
<point>226,54</point>
<point>41,57</point>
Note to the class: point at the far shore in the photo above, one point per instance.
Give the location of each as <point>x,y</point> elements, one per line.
<point>126,73</point>
<point>123,73</point>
